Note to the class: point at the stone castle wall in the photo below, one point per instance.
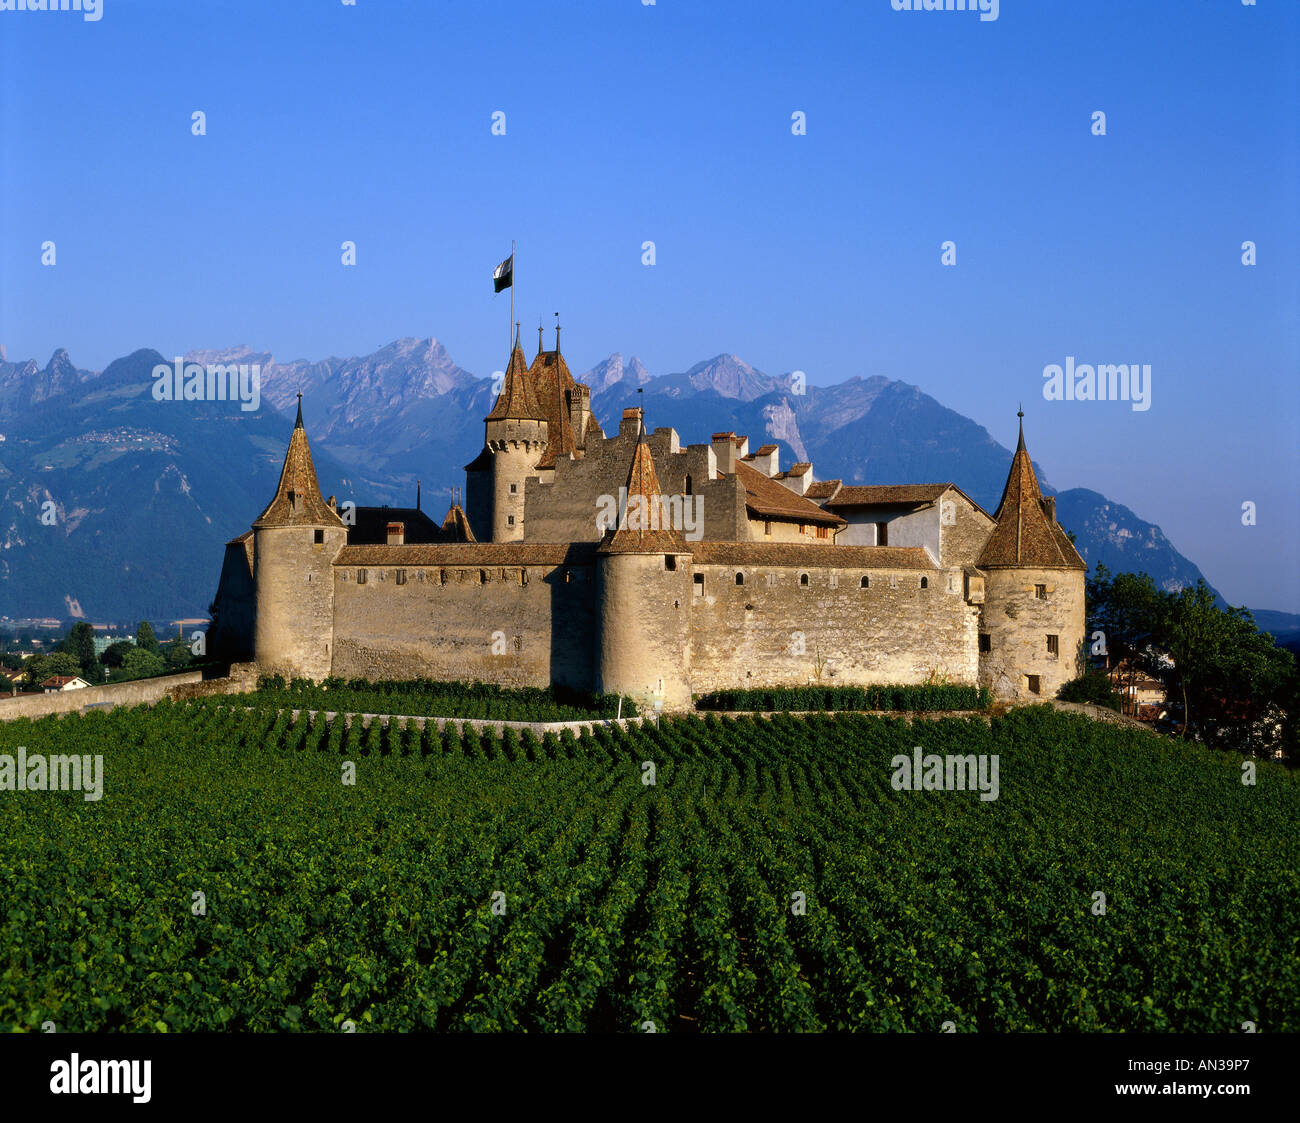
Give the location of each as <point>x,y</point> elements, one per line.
<point>511,625</point>
<point>772,630</point>
<point>1018,623</point>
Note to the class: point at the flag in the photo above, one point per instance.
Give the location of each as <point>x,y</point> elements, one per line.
<point>503,277</point>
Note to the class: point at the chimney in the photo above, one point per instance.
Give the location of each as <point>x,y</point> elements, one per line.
<point>724,448</point>
<point>767,460</point>
<point>630,426</point>
<point>1049,506</point>
<point>397,534</point>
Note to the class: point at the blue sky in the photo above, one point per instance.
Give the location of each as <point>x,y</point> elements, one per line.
<point>671,122</point>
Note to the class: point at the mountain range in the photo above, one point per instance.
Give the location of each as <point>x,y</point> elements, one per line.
<point>115,506</point>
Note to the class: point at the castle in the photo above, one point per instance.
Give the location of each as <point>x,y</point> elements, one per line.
<point>633,564</point>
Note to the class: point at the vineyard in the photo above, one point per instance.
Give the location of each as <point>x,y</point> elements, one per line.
<point>426,698</point>
<point>712,874</point>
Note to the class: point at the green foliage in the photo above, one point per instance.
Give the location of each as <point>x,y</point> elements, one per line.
<point>139,663</point>
<point>628,903</point>
<point>1227,673</point>
<point>1093,686</point>
<point>427,698</point>
<point>821,698</point>
<point>41,667</point>
<point>80,644</point>
<point>145,639</point>
<point>114,653</point>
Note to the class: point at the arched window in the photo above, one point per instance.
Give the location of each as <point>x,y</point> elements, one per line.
<point>803,579</point>
<point>688,486</point>
<point>866,582</point>
<point>740,578</point>
<point>925,582</point>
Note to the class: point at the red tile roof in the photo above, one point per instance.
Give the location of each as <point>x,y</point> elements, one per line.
<point>769,499</point>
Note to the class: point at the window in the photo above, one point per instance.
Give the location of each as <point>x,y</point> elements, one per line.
<point>482,576</point>
<point>361,576</point>
<point>866,582</point>
<point>740,578</point>
<point>835,580</point>
<point>442,577</point>
<point>699,584</point>
<point>318,536</point>
<point>1040,592</point>
<point>670,562</point>
<point>510,520</point>
<point>925,582</point>
<point>1034,684</point>
<point>823,532</point>
<point>514,489</point>
<point>882,534</point>
<point>767,527</point>
<point>986,642</point>
<point>401,577</point>
<point>803,529</point>
<point>803,579</point>
<point>1053,645</point>
<point>688,486</point>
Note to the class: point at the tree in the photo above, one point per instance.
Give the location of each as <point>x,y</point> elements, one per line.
<point>80,644</point>
<point>178,655</point>
<point>115,652</point>
<point>138,663</point>
<point>145,640</point>
<point>41,667</point>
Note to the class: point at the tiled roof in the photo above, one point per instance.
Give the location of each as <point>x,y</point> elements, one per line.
<point>1024,534</point>
<point>632,536</point>
<point>551,382</point>
<point>822,489</point>
<point>298,501</point>
<point>770,499</point>
<point>887,495</point>
<point>517,400</point>
<point>798,554</point>
<point>468,554</point>
<point>455,527</point>
<point>799,469</point>
<point>371,525</point>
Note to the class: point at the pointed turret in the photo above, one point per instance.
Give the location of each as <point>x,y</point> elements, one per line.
<point>1027,533</point>
<point>646,526</point>
<point>517,401</point>
<point>298,500</point>
<point>455,527</point>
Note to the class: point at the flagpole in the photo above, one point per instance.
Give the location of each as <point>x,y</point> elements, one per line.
<point>511,325</point>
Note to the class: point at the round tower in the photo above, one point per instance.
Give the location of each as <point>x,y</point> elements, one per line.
<point>1032,622</point>
<point>295,542</point>
<point>643,599</point>
<point>516,438</point>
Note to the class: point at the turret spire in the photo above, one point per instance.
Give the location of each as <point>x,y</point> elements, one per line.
<point>1025,534</point>
<point>298,500</point>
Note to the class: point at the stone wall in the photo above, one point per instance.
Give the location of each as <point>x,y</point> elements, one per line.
<point>564,508</point>
<point>772,630</point>
<point>521,626</point>
<point>1018,623</point>
<point>295,599</point>
<point>964,537</point>
<point>115,694</point>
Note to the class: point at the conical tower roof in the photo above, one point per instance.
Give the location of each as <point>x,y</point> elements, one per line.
<point>455,527</point>
<point>516,402</point>
<point>1026,534</point>
<point>642,530</point>
<point>298,501</point>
